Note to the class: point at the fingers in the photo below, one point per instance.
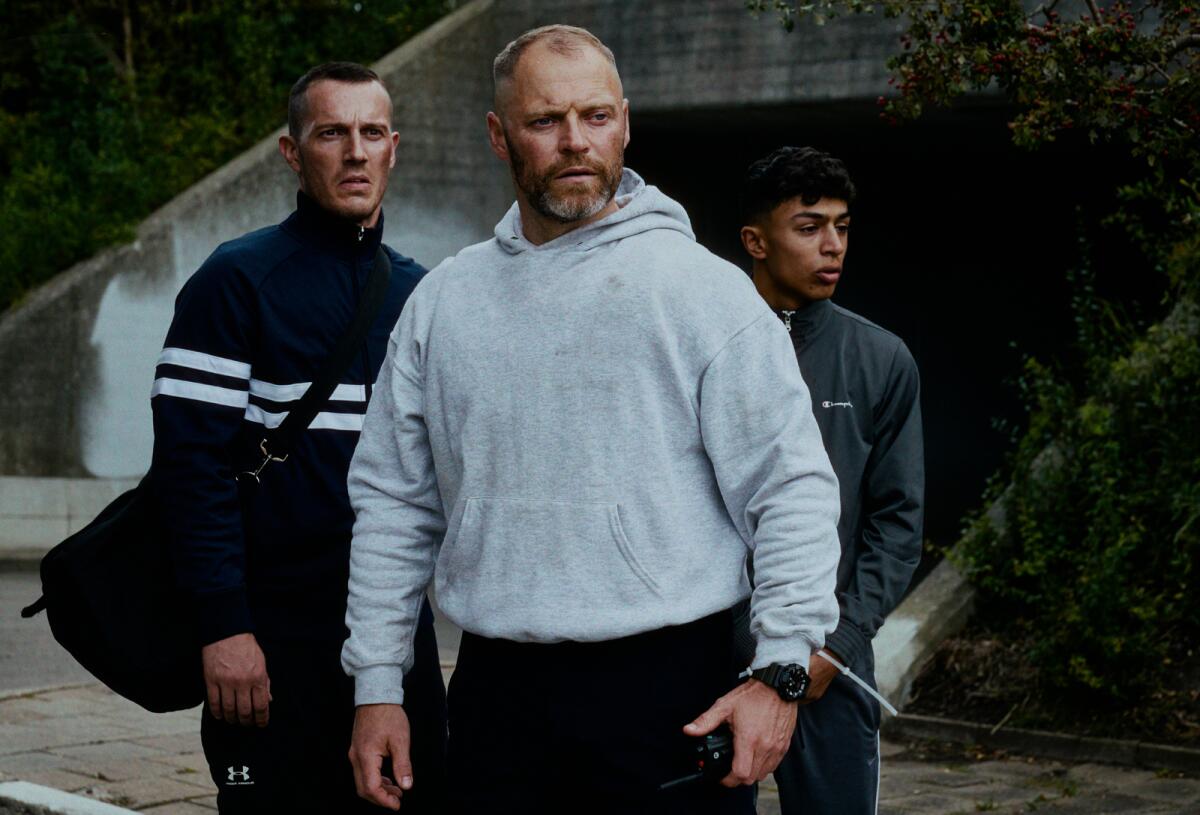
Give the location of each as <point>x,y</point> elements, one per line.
<point>260,697</point>
<point>369,782</point>
<point>401,764</point>
<point>245,706</point>
<point>708,721</point>
<point>742,770</point>
<point>762,726</point>
<point>229,704</point>
<point>236,680</point>
<point>214,699</point>
<point>383,794</point>
<point>379,744</point>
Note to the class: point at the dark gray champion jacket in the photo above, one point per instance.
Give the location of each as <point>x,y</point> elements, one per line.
<point>866,396</point>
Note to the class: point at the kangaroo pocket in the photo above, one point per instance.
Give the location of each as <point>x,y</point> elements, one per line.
<point>540,561</point>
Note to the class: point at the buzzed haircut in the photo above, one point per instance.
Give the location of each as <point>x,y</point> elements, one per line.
<point>793,172</point>
<point>338,72</point>
<point>566,40</point>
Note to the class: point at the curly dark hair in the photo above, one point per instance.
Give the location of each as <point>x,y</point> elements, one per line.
<point>793,172</point>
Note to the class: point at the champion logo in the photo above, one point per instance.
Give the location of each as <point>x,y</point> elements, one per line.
<point>238,778</point>
<point>836,404</point>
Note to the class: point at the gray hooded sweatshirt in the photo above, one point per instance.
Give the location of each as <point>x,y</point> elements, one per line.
<point>583,440</point>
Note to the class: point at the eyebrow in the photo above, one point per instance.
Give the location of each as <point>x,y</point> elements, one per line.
<point>820,216</point>
<point>587,106</point>
<point>325,125</point>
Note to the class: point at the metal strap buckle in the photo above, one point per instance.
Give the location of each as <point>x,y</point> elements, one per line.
<point>267,459</point>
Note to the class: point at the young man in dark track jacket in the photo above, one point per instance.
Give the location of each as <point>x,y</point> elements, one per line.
<point>268,580</point>
<point>865,394</point>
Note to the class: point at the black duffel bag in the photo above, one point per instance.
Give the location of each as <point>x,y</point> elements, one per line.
<point>112,601</point>
<point>110,591</point>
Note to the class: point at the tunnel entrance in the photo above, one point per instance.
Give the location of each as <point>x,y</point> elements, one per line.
<point>960,244</point>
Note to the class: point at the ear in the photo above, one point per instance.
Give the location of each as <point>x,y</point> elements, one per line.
<point>754,242</point>
<point>496,136</point>
<point>395,144</point>
<point>290,152</point>
<point>625,105</point>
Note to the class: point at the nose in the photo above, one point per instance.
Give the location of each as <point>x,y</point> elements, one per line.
<point>571,139</point>
<point>356,152</point>
<point>832,243</point>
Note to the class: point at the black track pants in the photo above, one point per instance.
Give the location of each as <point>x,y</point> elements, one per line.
<point>298,763</point>
<point>833,763</point>
<point>588,727</point>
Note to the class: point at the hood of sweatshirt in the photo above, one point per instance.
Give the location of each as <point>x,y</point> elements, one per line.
<point>642,208</point>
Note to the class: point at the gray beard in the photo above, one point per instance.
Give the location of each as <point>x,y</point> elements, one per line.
<point>566,210</point>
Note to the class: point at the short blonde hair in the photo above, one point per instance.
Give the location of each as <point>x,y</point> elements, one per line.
<point>561,39</point>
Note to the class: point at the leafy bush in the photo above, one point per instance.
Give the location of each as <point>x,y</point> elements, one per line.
<point>1093,557</point>
<point>110,108</point>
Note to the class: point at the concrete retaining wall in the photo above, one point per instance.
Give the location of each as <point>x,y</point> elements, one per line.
<point>77,358</point>
<point>36,513</point>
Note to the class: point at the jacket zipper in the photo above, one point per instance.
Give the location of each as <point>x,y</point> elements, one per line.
<point>366,353</point>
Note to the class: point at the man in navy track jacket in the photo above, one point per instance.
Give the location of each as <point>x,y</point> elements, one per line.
<point>267,581</point>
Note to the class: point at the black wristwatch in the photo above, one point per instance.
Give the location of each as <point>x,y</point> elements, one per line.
<point>789,681</point>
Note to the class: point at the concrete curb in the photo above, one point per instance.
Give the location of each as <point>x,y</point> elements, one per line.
<point>38,800</point>
<point>937,608</point>
<point>24,560</point>
<point>1046,744</point>
<point>36,513</point>
<point>16,693</point>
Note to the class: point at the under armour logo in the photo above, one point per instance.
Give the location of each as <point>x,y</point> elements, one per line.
<point>238,777</point>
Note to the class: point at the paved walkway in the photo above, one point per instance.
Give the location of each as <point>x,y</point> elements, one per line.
<point>87,741</point>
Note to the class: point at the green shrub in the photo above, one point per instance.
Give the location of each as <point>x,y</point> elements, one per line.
<point>109,109</point>
<point>1093,556</point>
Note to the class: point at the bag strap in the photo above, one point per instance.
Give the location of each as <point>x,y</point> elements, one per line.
<point>278,443</point>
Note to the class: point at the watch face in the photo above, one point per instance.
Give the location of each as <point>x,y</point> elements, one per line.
<point>793,682</point>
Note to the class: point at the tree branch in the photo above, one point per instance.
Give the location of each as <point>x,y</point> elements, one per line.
<point>98,41</point>
<point>1044,8</point>
<point>1091,4</point>
<point>1185,42</point>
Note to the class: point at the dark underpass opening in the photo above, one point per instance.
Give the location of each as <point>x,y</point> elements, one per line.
<point>960,244</point>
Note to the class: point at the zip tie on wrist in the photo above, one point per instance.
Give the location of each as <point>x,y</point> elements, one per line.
<point>828,657</point>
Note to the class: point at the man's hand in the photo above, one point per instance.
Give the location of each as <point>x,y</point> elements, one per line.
<point>381,732</point>
<point>820,673</point>
<point>235,673</point>
<point>762,725</point>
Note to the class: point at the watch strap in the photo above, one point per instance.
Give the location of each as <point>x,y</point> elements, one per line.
<point>768,675</point>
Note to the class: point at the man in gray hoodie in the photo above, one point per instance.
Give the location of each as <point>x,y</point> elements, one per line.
<point>582,429</point>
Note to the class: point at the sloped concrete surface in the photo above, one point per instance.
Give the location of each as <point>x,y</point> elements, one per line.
<point>936,609</point>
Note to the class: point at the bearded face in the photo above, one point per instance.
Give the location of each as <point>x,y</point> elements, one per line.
<point>571,189</point>
<point>562,125</point>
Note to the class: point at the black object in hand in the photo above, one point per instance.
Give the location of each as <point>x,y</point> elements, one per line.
<point>712,756</point>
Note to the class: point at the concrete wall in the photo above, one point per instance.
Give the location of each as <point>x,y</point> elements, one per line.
<point>36,513</point>
<point>77,358</point>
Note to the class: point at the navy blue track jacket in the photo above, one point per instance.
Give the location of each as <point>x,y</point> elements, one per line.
<point>252,328</point>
